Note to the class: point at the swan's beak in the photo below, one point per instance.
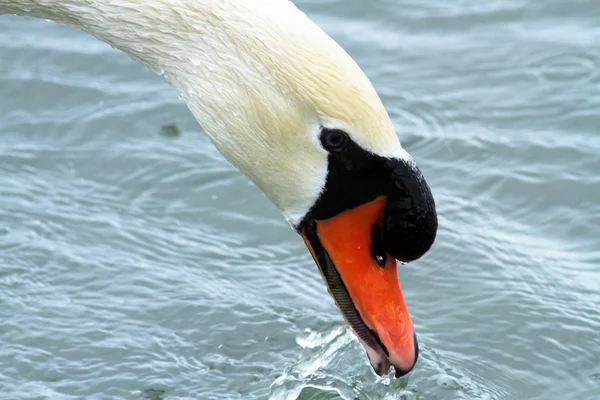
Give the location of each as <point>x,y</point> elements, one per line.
<point>354,254</point>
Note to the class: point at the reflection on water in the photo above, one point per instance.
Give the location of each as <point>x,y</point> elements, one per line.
<point>139,264</point>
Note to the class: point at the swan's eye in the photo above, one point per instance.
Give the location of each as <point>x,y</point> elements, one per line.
<point>334,140</point>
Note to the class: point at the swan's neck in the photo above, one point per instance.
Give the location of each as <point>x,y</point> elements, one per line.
<point>218,55</point>
<point>258,75</point>
<point>138,28</point>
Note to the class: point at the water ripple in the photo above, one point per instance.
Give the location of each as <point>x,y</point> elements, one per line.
<point>566,67</point>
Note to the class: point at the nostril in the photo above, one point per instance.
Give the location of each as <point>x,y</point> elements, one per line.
<point>378,251</point>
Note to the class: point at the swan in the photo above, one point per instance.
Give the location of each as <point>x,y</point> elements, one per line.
<point>285,104</point>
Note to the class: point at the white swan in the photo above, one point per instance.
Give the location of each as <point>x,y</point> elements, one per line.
<point>288,106</point>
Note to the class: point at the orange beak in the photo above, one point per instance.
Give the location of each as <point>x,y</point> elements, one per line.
<point>363,280</point>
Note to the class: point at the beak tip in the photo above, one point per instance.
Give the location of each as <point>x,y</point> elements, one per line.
<point>403,371</point>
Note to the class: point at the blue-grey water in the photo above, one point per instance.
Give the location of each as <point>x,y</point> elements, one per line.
<point>139,265</point>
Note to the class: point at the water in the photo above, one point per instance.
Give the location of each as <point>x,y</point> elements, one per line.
<point>137,265</point>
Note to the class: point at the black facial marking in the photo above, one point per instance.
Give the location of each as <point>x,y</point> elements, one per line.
<point>356,176</point>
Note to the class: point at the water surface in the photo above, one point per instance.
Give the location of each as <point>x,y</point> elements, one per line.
<point>136,265</point>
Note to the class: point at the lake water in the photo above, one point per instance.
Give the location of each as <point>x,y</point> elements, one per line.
<point>140,265</point>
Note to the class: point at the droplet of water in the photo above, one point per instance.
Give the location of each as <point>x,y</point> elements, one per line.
<point>157,70</point>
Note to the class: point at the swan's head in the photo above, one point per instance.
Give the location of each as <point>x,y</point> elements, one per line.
<point>293,111</point>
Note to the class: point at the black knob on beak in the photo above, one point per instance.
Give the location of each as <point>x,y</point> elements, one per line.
<point>410,219</point>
